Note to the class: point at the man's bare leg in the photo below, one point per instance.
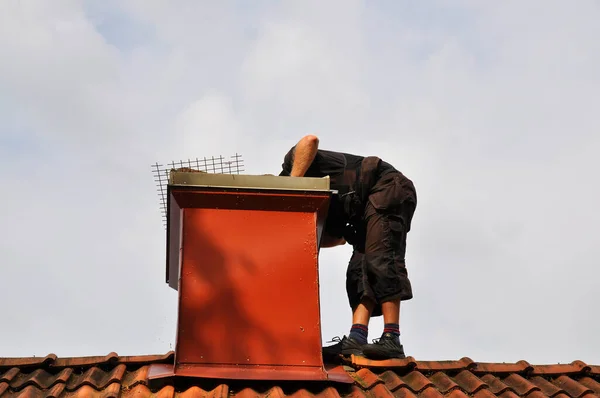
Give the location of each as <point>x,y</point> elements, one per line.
<point>358,333</point>
<point>362,313</point>
<point>360,321</point>
<point>389,344</point>
<point>391,311</point>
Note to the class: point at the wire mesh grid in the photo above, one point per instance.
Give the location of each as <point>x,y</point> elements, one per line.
<point>215,165</point>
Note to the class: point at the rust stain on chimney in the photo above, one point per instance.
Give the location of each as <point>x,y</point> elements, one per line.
<point>242,252</point>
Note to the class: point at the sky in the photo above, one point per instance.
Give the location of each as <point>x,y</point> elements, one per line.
<point>490,108</point>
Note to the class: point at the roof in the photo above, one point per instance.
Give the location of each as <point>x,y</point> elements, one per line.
<point>126,376</point>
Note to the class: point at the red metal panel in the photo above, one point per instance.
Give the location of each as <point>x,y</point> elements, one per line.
<point>173,242</point>
<point>249,294</point>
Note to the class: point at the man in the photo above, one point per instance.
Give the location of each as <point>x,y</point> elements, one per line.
<point>372,211</point>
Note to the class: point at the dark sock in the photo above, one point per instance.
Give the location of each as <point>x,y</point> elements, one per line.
<point>392,328</point>
<point>359,333</point>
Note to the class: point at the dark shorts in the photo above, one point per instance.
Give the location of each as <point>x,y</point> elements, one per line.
<point>377,268</point>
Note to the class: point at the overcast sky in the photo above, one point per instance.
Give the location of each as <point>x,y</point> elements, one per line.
<point>491,108</point>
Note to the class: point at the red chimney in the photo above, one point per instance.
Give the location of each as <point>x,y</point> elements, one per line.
<point>242,252</point>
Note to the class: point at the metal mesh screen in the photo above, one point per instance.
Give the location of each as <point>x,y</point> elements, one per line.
<point>217,165</point>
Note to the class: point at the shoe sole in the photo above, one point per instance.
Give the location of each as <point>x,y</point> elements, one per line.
<point>381,357</point>
<point>354,351</point>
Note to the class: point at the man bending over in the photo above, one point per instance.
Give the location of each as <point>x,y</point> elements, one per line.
<point>372,211</point>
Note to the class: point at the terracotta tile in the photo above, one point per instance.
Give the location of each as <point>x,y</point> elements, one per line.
<point>536,394</point>
<point>328,392</point>
<point>41,379</point>
<point>457,394</point>
<point>595,370</point>
<point>27,392</point>
<point>38,378</point>
<point>571,387</point>
<point>142,391</point>
<point>469,382</point>
<point>221,391</point>
<point>165,392</point>
<point>464,363</point>
<point>111,391</point>
<point>97,378</point>
<point>139,376</point>
<point>139,391</point>
<point>9,375</point>
<point>406,363</point>
<point>380,391</point>
<point>111,358</point>
<point>520,385</point>
<point>484,393</point>
<point>302,393</point>
<point>197,392</point>
<point>55,391</point>
<point>562,369</point>
<point>392,381</point>
<point>274,392</point>
<point>27,362</point>
<point>356,392</point>
<point>518,367</point>
<point>3,387</point>
<point>431,392</point>
<point>148,359</point>
<point>366,378</point>
<point>417,381</point>
<point>591,384</point>
<point>508,394</point>
<point>546,387</point>
<point>443,382</point>
<point>404,393</point>
<point>495,384</point>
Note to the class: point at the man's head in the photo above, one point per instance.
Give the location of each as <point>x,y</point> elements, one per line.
<point>288,161</point>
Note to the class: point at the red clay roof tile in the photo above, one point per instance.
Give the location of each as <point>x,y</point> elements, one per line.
<point>484,393</point>
<point>469,382</point>
<point>404,393</point>
<point>112,376</point>
<point>443,382</point>
<point>495,385</point>
<point>366,379</point>
<point>591,384</point>
<point>3,387</point>
<point>417,381</point>
<point>573,388</point>
<point>520,385</point>
<point>457,394</point>
<point>392,381</point>
<point>518,367</point>
<point>508,394</point>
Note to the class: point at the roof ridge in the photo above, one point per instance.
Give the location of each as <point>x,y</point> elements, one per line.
<point>53,361</point>
<point>520,367</point>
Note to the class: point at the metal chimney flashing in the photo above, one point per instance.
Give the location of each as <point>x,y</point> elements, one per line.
<point>242,181</point>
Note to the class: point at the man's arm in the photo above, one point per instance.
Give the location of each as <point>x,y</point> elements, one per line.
<point>304,154</point>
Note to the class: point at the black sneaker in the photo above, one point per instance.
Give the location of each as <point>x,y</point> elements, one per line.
<point>344,347</point>
<point>386,347</point>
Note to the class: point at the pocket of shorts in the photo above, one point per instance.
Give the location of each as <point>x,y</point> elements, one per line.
<point>388,196</point>
<point>398,235</point>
